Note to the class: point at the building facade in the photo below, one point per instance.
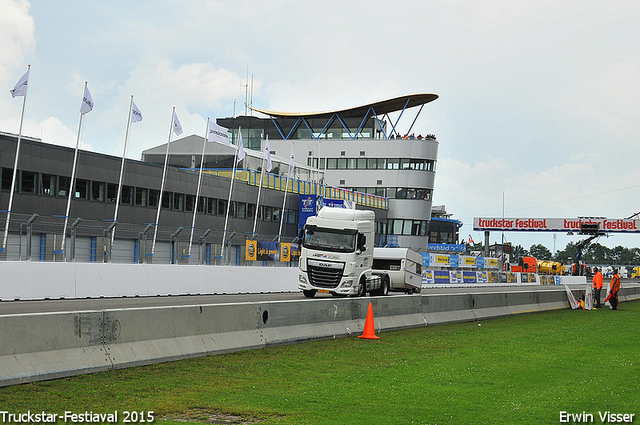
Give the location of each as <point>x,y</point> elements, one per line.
<point>360,149</point>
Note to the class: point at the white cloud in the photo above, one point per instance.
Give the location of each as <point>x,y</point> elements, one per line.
<point>17,34</point>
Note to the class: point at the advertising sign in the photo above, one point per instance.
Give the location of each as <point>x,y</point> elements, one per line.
<point>607,225</point>
<point>445,247</point>
<point>307,208</point>
<point>251,253</point>
<point>469,277</point>
<point>285,251</point>
<point>441,276</point>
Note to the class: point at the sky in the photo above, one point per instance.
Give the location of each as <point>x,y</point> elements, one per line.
<point>538,112</point>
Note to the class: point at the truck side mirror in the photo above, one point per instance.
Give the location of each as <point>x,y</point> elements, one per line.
<point>300,236</point>
<point>362,240</point>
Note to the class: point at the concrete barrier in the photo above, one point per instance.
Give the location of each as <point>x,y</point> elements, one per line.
<point>51,345</point>
<point>26,280</point>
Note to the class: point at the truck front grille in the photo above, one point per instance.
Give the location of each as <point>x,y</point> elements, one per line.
<point>325,277</point>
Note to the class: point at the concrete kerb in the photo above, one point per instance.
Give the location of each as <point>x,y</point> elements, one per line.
<point>51,345</point>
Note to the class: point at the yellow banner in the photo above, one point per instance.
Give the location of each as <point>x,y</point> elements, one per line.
<point>251,250</point>
<point>285,251</point>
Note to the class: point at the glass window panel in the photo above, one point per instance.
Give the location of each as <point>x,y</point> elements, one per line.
<point>141,196</point>
<point>127,195</point>
<point>393,164</point>
<point>332,163</point>
<point>251,211</point>
<point>112,192</point>
<point>154,197</point>
<point>222,207</point>
<point>212,206</point>
<point>48,184</point>
<point>202,205</point>
<point>7,177</point>
<point>98,191</point>
<point>342,164</point>
<point>362,163</point>
<point>189,202</point>
<point>166,200</point>
<point>268,213</point>
<point>28,182</point>
<point>242,210</point>
<point>372,163</point>
<point>397,227</point>
<point>351,163</point>
<point>276,215</point>
<point>63,185</point>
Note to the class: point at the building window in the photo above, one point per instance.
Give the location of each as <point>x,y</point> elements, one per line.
<point>112,192</point>
<point>166,200</point>
<point>251,211</point>
<point>63,185</point>
<point>212,206</point>
<point>222,207</point>
<point>141,197</point>
<point>154,197</point>
<point>7,176</point>
<point>81,189</point>
<point>98,191</point>
<point>242,210</point>
<point>48,186</point>
<point>127,195</point>
<point>268,213</point>
<point>178,201</point>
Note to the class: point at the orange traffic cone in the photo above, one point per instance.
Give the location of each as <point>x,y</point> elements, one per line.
<point>369,327</point>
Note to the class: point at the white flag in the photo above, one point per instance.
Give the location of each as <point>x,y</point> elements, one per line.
<point>136,115</point>
<point>291,163</point>
<point>241,153</point>
<point>21,88</point>
<point>87,102</point>
<point>218,134</point>
<point>177,127</point>
<point>267,155</point>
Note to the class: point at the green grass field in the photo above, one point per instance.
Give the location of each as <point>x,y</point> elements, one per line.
<point>524,369</point>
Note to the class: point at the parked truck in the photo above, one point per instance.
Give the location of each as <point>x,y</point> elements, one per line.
<point>337,257</point>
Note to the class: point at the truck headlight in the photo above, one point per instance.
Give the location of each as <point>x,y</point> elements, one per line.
<point>302,279</point>
<point>347,283</point>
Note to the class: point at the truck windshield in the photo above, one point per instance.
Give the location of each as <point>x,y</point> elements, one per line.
<point>330,239</point>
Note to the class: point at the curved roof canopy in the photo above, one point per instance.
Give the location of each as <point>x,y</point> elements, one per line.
<point>376,108</point>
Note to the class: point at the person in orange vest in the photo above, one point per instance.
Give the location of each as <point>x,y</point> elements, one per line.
<point>597,285</point>
<point>614,287</point>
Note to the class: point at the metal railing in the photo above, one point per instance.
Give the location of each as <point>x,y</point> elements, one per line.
<point>39,238</point>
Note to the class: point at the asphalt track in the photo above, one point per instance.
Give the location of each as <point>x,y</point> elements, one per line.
<point>93,304</point>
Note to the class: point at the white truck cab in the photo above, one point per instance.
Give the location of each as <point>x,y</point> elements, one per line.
<point>336,253</point>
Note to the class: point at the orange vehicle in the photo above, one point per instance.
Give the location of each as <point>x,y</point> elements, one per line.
<point>526,265</point>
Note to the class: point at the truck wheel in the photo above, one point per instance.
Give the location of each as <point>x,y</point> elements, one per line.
<point>361,289</point>
<point>310,293</point>
<point>384,291</point>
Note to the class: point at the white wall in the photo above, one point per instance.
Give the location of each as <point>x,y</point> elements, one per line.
<point>26,280</point>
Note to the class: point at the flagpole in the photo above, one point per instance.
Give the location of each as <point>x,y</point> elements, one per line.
<point>233,177</point>
<point>195,207</point>
<point>286,189</point>
<point>255,220</point>
<point>164,173</point>
<point>264,158</point>
<point>15,169</point>
<point>71,183</point>
<point>124,152</point>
